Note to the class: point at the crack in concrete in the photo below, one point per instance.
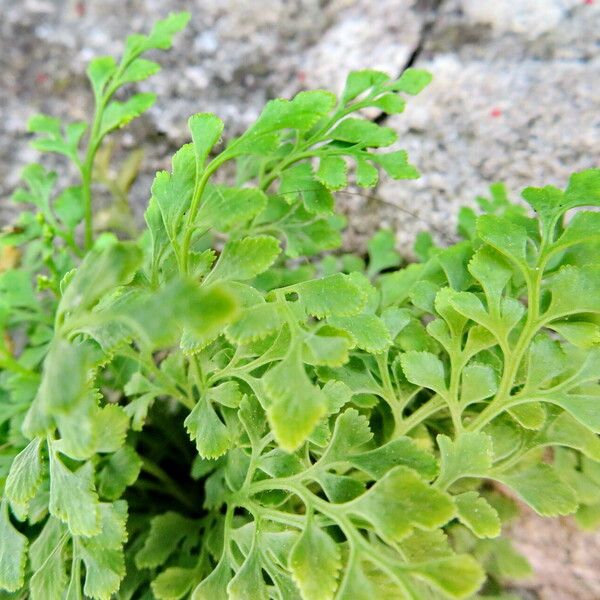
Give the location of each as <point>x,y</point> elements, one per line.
<point>428,26</point>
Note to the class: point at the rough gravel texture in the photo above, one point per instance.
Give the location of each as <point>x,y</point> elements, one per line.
<point>516,97</point>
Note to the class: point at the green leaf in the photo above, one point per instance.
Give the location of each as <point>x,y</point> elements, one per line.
<point>118,114</point>
<point>582,334</point>
<point>173,192</point>
<point>507,237</point>
<point>315,562</point>
<point>78,430</point>
<point>503,560</point>
<point>493,273</point>
<point>358,82</point>
<point>252,417</point>
<point>424,369</point>
<point>160,37</point>
<point>40,183</point>
<point>412,81</point>
<point>363,582</point>
<point>454,261</point>
<point>67,144</point>
<point>57,393</point>
<point>103,553</point>
<point>583,189</point>
<point>73,498</point>
<point>478,382</point>
<point>166,533</point>
<point>326,346</point>
<point>278,463</point>
<point>390,103</point>
<point>102,270</point>
<point>112,423</point>
<point>248,582</point>
<point>214,587</point>
<point>246,258</point>
<point>332,172</point>
<point>45,124</point>
<point>455,576</point>
<point>335,295</point>
<point>574,290</point>
<point>382,252</point>
<point>225,208</point>
<point>475,512</point>
<point>301,113</point>
<point>547,202</point>
<point>296,404</point>
<point>226,394</point>
<point>139,70</point>
<point>206,130</point>
<point>340,488</point>
<point>564,430</point>
<point>401,451</point>
<point>365,134</point>
<point>173,583</point>
<point>469,455</point>
<point>256,323</point>
<point>48,540</point>
<point>205,313</point>
<point>530,416</point>
<point>25,474</point>
<point>12,553</point>
<point>120,470</point>
<point>50,579</point>
<point>308,239</point>
<point>211,436</point>
<point>366,174</point>
<point>588,517</point>
<point>540,487</point>
<point>469,305</point>
<point>546,359</point>
<point>395,319</point>
<point>396,164</point>
<point>68,206</point>
<point>583,406</point>
<point>299,182</point>
<point>400,501</point>
<point>99,71</point>
<point>367,331</point>
<point>350,434</point>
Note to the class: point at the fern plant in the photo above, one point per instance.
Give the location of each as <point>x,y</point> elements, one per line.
<point>217,410</point>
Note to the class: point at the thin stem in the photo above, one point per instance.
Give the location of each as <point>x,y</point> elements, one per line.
<point>456,362</point>
<point>198,375</point>
<point>95,139</point>
<point>194,207</point>
<point>423,412</point>
<point>86,171</point>
<point>389,394</point>
<point>512,360</point>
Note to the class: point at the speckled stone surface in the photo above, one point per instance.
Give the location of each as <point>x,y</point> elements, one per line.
<point>516,94</point>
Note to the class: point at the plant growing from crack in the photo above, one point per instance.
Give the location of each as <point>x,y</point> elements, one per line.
<point>185,418</point>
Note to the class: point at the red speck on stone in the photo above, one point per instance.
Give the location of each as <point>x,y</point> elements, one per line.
<point>301,76</point>
<point>495,112</point>
<point>41,78</point>
<point>588,2</point>
<point>80,9</point>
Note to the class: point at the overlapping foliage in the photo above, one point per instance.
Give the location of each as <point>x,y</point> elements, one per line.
<point>215,410</point>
